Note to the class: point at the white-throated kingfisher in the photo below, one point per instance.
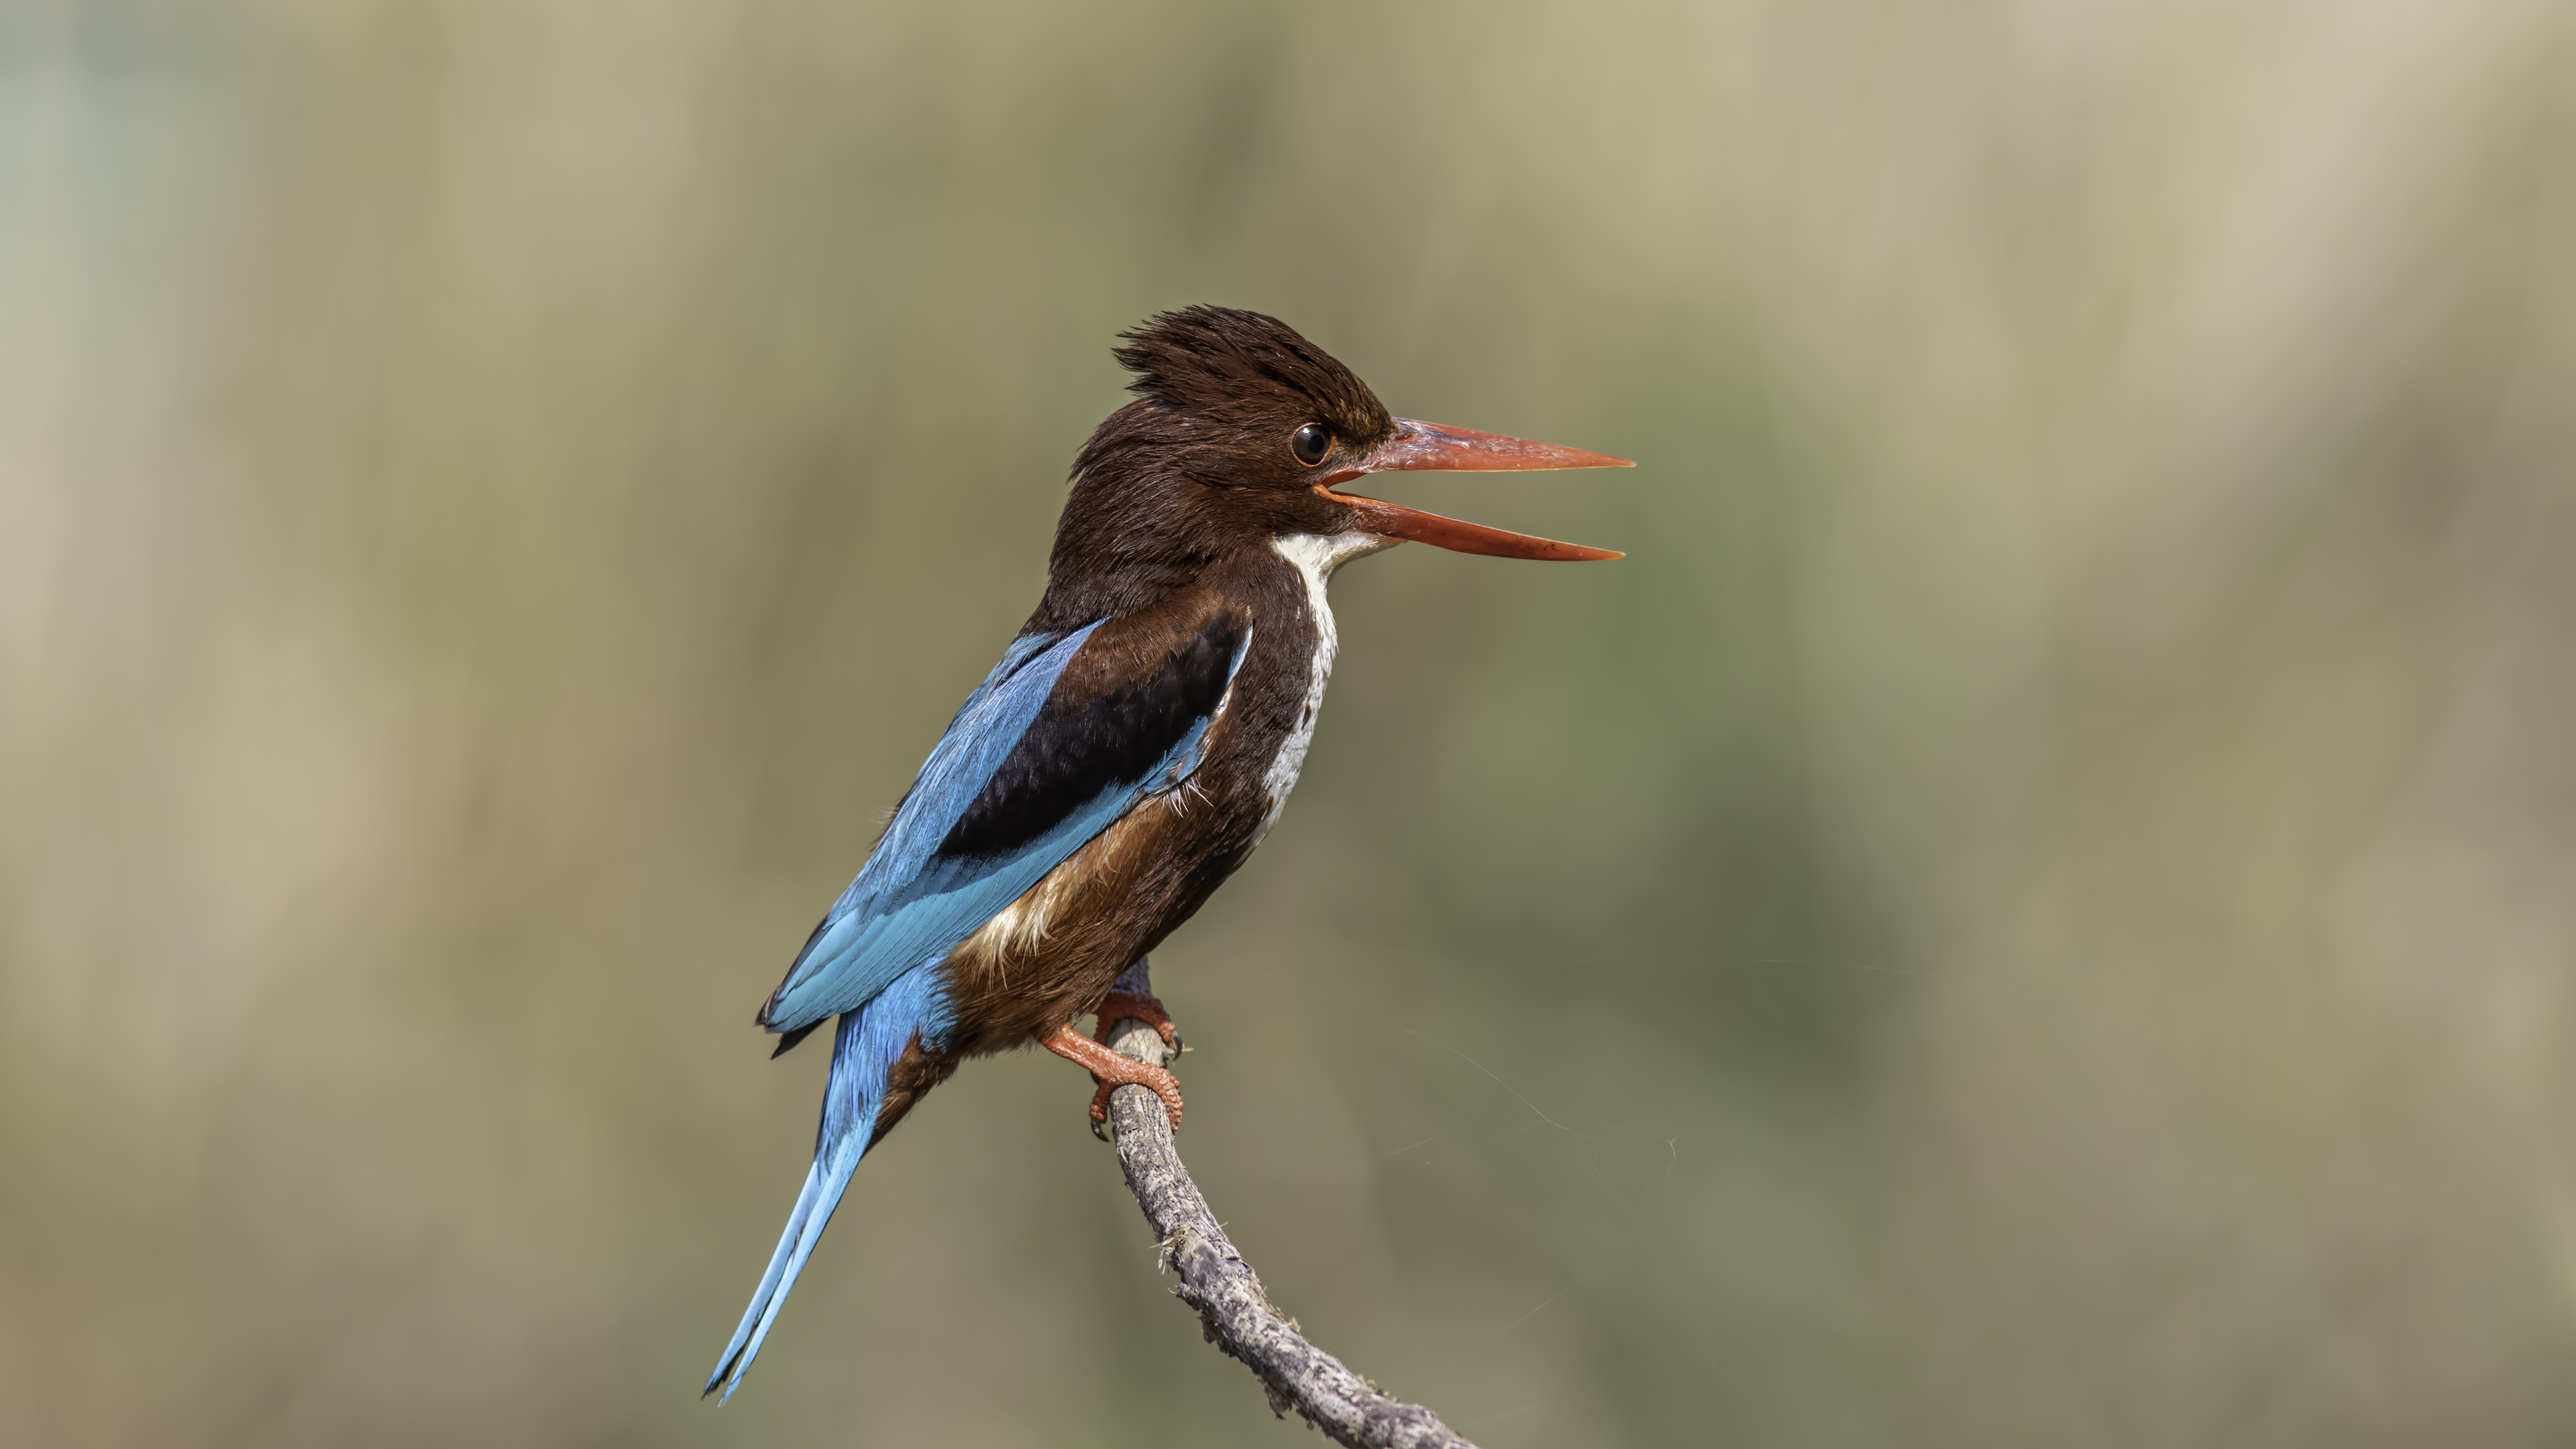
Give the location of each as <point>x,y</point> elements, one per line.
<point>1133,746</point>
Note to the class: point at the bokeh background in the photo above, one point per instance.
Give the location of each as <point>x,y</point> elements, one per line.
<point>2035,907</point>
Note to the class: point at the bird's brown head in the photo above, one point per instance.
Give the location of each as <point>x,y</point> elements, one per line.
<point>1241,434</point>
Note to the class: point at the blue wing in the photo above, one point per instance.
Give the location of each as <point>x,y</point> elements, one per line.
<point>1029,771</point>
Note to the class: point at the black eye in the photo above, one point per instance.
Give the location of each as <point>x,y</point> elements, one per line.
<point>1310,443</point>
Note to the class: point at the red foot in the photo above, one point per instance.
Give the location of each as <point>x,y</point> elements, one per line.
<point>1118,1006</point>
<point>1113,1071</point>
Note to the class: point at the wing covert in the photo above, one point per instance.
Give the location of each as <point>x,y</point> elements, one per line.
<point>1032,768</point>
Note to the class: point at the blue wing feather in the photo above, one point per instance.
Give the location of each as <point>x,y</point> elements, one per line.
<point>910,904</point>
<point>976,742</point>
<point>933,881</point>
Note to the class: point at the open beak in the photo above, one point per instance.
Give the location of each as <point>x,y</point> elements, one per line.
<point>1430,445</point>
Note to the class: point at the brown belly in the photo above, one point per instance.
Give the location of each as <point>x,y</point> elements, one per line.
<point>1051,954</point>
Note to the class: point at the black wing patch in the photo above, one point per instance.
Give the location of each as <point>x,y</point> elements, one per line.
<point>1076,749</point>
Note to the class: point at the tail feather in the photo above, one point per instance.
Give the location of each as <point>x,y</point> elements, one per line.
<point>865,1046</point>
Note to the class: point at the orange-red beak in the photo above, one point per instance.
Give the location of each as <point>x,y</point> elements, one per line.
<point>1430,445</point>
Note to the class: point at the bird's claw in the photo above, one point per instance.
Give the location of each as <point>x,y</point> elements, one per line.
<point>1120,1006</point>
<point>1112,1071</point>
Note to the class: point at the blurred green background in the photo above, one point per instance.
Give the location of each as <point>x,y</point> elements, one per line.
<point>2035,907</point>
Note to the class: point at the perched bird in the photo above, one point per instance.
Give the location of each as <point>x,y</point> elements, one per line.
<point>1133,746</point>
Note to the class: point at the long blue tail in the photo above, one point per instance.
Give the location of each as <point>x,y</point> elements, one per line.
<point>865,1046</point>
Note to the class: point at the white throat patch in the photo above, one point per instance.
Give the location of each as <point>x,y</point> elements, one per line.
<point>1315,556</point>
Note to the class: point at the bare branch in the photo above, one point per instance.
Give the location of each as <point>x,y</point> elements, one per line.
<point>1239,1318</point>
